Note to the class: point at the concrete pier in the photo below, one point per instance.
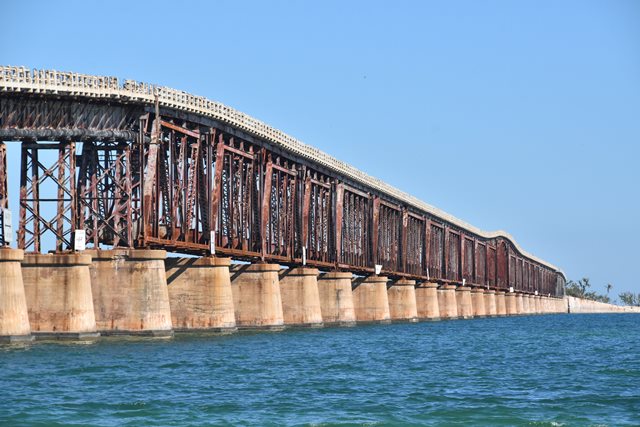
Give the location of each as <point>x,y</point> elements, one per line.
<point>427,301</point>
<point>402,301</point>
<point>510,304</point>
<point>490,302</point>
<point>57,290</point>
<point>447,302</point>
<point>130,293</point>
<point>300,298</point>
<point>256,296</point>
<point>519,303</point>
<point>336,298</point>
<point>200,294</point>
<point>536,299</point>
<point>370,300</point>
<point>525,304</point>
<point>14,316</point>
<point>501,303</point>
<point>478,302</point>
<point>463,299</point>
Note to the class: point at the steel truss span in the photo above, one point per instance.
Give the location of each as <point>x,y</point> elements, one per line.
<point>138,165</point>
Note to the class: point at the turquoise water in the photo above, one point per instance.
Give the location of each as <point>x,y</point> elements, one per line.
<point>538,370</point>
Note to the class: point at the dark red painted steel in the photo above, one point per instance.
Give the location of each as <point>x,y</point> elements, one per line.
<point>168,180</point>
<point>4,192</point>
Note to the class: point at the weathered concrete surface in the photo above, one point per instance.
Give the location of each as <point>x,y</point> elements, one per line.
<point>519,303</point>
<point>370,299</point>
<point>579,305</point>
<point>300,297</point>
<point>130,293</point>
<point>478,302</point>
<point>526,304</point>
<point>427,301</point>
<point>402,300</point>
<point>501,303</point>
<point>510,304</point>
<point>490,302</point>
<point>256,296</point>
<point>57,289</point>
<point>463,299</point>
<point>336,298</point>
<point>447,302</point>
<point>200,294</point>
<point>14,316</point>
<point>535,299</point>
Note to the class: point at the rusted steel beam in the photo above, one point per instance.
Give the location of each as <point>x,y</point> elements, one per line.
<point>60,175</point>
<point>4,194</point>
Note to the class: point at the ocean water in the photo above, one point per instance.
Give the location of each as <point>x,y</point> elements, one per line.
<point>540,370</point>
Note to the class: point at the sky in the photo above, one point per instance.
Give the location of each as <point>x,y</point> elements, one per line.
<point>521,116</point>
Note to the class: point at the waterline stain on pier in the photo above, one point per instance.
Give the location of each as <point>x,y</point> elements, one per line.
<point>537,370</point>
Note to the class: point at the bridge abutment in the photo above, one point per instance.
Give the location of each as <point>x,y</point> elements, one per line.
<point>58,293</point>
<point>370,300</point>
<point>336,298</point>
<point>130,292</point>
<point>14,316</point>
<point>256,296</point>
<point>300,297</point>
<point>402,300</point>
<point>200,294</point>
<point>427,306</point>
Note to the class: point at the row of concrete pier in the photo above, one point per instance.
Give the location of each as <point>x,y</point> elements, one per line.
<point>86,294</point>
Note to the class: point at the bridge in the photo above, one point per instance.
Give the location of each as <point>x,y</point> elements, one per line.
<point>122,167</point>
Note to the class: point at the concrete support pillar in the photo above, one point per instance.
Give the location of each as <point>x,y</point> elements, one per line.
<point>447,302</point>
<point>463,299</point>
<point>544,309</point>
<point>14,316</point>
<point>427,301</point>
<point>536,299</point>
<point>501,304</point>
<point>402,300</point>
<point>510,304</point>
<point>256,296</point>
<point>300,298</point>
<point>478,302</point>
<point>336,298</point>
<point>519,303</point>
<point>200,294</point>
<point>130,292</point>
<point>370,300</point>
<point>57,289</point>
<point>526,309</point>
<point>490,303</point>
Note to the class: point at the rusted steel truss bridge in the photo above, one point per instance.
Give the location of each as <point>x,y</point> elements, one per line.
<point>143,166</point>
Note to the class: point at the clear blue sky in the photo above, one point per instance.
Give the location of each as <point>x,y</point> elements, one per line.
<point>522,116</point>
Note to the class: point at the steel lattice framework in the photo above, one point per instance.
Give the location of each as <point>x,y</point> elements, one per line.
<point>145,166</point>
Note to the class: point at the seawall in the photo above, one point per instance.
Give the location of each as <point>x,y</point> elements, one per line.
<point>579,305</point>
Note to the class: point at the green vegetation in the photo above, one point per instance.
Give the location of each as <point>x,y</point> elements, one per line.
<point>580,289</point>
<point>629,298</point>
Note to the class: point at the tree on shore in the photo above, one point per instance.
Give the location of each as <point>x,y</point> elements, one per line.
<point>581,288</point>
<point>629,298</point>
